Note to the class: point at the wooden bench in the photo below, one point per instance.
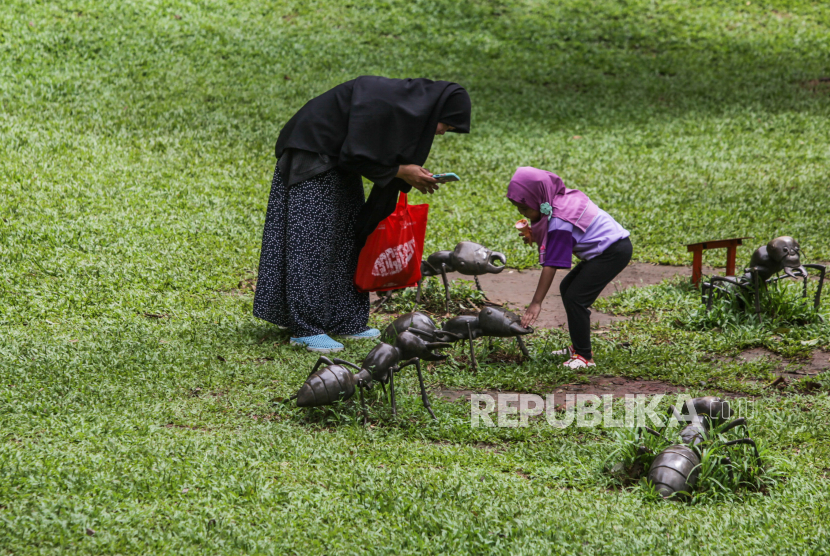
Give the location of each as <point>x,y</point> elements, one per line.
<point>731,246</point>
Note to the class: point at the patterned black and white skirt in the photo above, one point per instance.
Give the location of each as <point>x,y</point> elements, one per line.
<point>308,259</point>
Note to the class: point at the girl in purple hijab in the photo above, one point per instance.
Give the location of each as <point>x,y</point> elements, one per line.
<point>566,223</point>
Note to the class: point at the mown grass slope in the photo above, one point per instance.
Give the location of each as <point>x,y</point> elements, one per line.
<point>137,392</point>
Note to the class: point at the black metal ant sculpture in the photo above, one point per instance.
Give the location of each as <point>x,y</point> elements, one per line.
<point>782,254</point>
<point>385,360</point>
<point>468,258</point>
<point>674,471</point>
<point>336,382</point>
<point>494,322</point>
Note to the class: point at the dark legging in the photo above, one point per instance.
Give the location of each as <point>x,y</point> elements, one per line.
<point>309,257</point>
<point>581,287</point>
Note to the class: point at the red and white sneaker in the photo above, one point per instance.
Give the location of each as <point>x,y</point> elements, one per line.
<point>568,351</point>
<point>578,362</point>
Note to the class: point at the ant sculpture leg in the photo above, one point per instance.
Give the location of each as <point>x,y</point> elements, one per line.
<point>433,273</point>
<point>726,460</point>
<point>392,392</point>
<point>360,385</point>
<point>446,285</point>
<point>320,361</point>
<point>342,362</point>
<point>745,441</point>
<point>740,422</point>
<point>365,409</point>
<point>679,417</point>
<point>424,399</point>
<point>672,413</point>
<point>711,294</point>
<point>651,432</point>
<point>383,297</point>
<point>712,287</point>
<point>822,270</point>
<point>756,283</point>
<point>522,346</point>
<point>472,351</point>
<point>478,284</point>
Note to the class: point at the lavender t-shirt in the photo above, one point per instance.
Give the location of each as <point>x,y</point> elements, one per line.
<point>565,240</point>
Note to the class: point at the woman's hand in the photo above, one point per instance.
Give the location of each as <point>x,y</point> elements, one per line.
<point>419,178</point>
<point>527,239</point>
<point>531,314</point>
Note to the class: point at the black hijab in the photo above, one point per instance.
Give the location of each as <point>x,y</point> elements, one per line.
<point>379,121</point>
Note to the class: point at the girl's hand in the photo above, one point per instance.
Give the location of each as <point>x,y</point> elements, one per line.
<point>418,177</point>
<point>535,307</point>
<point>531,314</point>
<point>527,239</point>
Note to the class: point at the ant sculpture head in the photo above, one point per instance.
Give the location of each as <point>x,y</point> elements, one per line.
<point>786,252</point>
<point>709,407</point>
<point>472,259</point>
<point>499,322</point>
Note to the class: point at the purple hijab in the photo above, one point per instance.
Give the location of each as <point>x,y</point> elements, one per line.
<point>546,192</point>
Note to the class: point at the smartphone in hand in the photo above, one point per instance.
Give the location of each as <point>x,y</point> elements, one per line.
<point>444,178</point>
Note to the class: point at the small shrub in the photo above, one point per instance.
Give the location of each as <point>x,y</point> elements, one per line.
<point>782,304</point>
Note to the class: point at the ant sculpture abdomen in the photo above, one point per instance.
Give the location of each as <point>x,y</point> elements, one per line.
<point>332,383</point>
<point>674,470</point>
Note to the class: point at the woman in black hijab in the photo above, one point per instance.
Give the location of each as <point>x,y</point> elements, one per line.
<point>317,220</point>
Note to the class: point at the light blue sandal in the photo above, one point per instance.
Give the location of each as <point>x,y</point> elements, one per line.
<point>321,343</point>
<point>365,335</point>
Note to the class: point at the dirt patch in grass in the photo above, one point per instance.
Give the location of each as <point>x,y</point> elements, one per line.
<point>489,447</point>
<point>818,362</point>
<point>260,361</point>
<point>515,288</point>
<point>156,315</point>
<point>485,446</point>
<point>185,427</point>
<point>266,417</point>
<point>817,86</point>
<point>491,357</point>
<point>246,285</point>
<point>754,354</point>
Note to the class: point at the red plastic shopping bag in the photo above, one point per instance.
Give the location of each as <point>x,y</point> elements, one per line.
<point>391,258</point>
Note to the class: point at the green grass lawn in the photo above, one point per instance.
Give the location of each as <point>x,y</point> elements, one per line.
<point>139,406</point>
